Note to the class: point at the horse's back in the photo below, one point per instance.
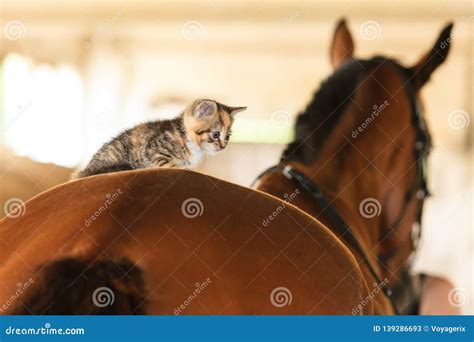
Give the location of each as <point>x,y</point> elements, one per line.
<point>203,246</point>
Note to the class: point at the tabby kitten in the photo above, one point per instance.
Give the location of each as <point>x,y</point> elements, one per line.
<point>204,126</point>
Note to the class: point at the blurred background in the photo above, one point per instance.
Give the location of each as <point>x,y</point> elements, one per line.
<point>75,73</point>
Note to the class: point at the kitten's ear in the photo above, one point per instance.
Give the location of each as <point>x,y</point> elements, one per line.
<point>235,110</point>
<point>204,108</point>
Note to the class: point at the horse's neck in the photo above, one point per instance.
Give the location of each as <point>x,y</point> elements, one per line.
<point>366,178</point>
<point>352,186</point>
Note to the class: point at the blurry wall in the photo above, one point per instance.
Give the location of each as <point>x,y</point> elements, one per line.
<point>22,178</point>
<point>75,73</point>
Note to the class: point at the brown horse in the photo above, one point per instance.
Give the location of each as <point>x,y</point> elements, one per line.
<point>178,242</point>
<point>169,241</point>
<point>358,160</point>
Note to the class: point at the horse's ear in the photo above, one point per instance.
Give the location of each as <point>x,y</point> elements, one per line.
<point>342,46</point>
<point>433,58</point>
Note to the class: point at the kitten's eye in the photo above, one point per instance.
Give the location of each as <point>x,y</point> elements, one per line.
<point>227,137</point>
<point>216,135</point>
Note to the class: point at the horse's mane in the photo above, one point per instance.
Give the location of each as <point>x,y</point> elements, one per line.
<point>315,123</point>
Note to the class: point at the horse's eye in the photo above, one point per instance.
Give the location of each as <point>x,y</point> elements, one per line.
<point>216,135</point>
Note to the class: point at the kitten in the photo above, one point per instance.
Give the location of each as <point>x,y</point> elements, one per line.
<point>204,126</point>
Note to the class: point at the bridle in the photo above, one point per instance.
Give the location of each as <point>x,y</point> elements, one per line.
<point>419,188</point>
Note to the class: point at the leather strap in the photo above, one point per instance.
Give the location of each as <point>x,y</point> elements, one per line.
<point>338,223</point>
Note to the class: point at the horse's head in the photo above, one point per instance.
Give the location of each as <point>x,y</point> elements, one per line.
<point>381,73</point>
<point>342,51</point>
<point>362,140</point>
<point>354,77</point>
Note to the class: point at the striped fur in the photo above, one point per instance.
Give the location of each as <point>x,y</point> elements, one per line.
<point>178,143</point>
